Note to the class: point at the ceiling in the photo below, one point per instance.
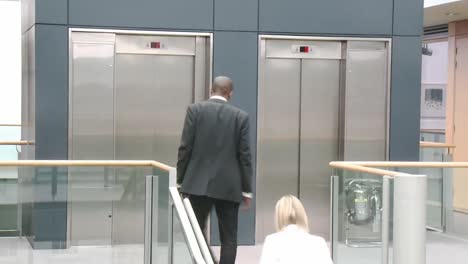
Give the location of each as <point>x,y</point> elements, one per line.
<point>443,14</point>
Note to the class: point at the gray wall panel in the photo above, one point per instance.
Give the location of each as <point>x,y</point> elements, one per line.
<point>408,17</point>
<point>174,14</point>
<point>236,15</point>
<point>51,92</point>
<point>52,11</point>
<point>405,99</point>
<point>50,218</point>
<point>235,55</point>
<point>327,16</point>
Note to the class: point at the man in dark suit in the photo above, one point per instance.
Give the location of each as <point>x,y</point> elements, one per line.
<point>214,165</point>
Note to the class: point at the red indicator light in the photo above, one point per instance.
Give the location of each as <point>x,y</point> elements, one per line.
<point>155,45</point>
<point>304,49</point>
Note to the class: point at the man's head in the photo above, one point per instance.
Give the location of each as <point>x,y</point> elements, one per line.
<point>222,86</point>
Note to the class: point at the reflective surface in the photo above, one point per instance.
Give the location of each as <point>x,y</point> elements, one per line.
<point>365,129</point>
<point>107,212</point>
<point>278,139</point>
<point>357,217</point>
<point>325,102</point>
<point>92,134</point>
<point>128,97</point>
<point>319,139</point>
<point>181,253</point>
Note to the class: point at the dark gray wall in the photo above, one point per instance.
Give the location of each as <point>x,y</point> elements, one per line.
<point>236,15</point>
<point>236,25</point>
<point>408,17</point>
<point>358,17</point>
<point>153,14</point>
<point>51,92</point>
<point>46,81</point>
<point>234,57</point>
<point>405,98</point>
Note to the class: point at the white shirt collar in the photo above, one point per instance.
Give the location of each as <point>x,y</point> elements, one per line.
<point>217,97</point>
<point>292,227</point>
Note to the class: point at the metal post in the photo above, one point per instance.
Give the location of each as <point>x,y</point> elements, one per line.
<point>409,229</point>
<point>148,218</point>
<point>385,219</point>
<point>172,183</point>
<point>334,201</point>
<point>170,241</point>
<point>172,177</point>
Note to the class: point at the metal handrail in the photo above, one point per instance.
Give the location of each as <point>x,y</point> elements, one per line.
<point>205,250</point>
<point>187,227</point>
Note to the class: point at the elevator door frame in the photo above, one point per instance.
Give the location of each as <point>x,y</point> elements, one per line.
<point>262,39</point>
<point>209,71</point>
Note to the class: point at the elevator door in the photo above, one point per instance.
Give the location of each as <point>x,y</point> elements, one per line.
<point>318,101</point>
<point>132,107</point>
<point>298,128</point>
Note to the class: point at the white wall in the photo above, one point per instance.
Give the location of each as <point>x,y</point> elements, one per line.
<point>10,81</point>
<point>10,62</point>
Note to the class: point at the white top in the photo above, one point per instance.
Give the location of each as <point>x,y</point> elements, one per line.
<point>218,97</point>
<point>295,246</point>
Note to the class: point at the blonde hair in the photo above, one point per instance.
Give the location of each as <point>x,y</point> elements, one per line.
<point>290,211</point>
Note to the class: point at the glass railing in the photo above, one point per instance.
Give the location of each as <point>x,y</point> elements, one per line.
<point>188,244</point>
<point>431,135</point>
<point>8,180</point>
<point>439,180</point>
<point>361,222</point>
<point>381,210</point>
<point>82,211</point>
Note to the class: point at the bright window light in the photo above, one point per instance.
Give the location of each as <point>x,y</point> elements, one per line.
<point>431,3</point>
<point>10,62</point>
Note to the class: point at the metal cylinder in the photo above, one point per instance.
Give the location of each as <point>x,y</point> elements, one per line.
<point>385,219</point>
<point>409,218</point>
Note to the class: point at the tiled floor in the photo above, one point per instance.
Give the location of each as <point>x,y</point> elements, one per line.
<point>441,249</point>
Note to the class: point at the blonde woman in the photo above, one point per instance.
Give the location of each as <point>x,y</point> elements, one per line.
<point>293,244</point>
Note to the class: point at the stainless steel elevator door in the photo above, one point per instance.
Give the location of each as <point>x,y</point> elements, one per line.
<point>152,93</point>
<point>278,138</point>
<point>365,112</point>
<point>320,91</point>
<point>92,137</point>
<point>128,97</point>
<point>319,101</point>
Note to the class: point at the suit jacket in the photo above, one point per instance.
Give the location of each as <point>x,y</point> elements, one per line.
<point>214,156</point>
<point>294,245</point>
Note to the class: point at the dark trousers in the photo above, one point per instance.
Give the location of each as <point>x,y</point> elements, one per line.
<point>227,213</point>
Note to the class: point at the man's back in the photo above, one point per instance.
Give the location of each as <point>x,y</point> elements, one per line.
<point>214,156</point>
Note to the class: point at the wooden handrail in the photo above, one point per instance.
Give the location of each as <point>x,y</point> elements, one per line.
<point>433,131</point>
<point>85,163</point>
<point>427,144</point>
<point>372,167</point>
<point>360,168</point>
<point>404,164</point>
<point>10,125</point>
<point>16,143</point>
